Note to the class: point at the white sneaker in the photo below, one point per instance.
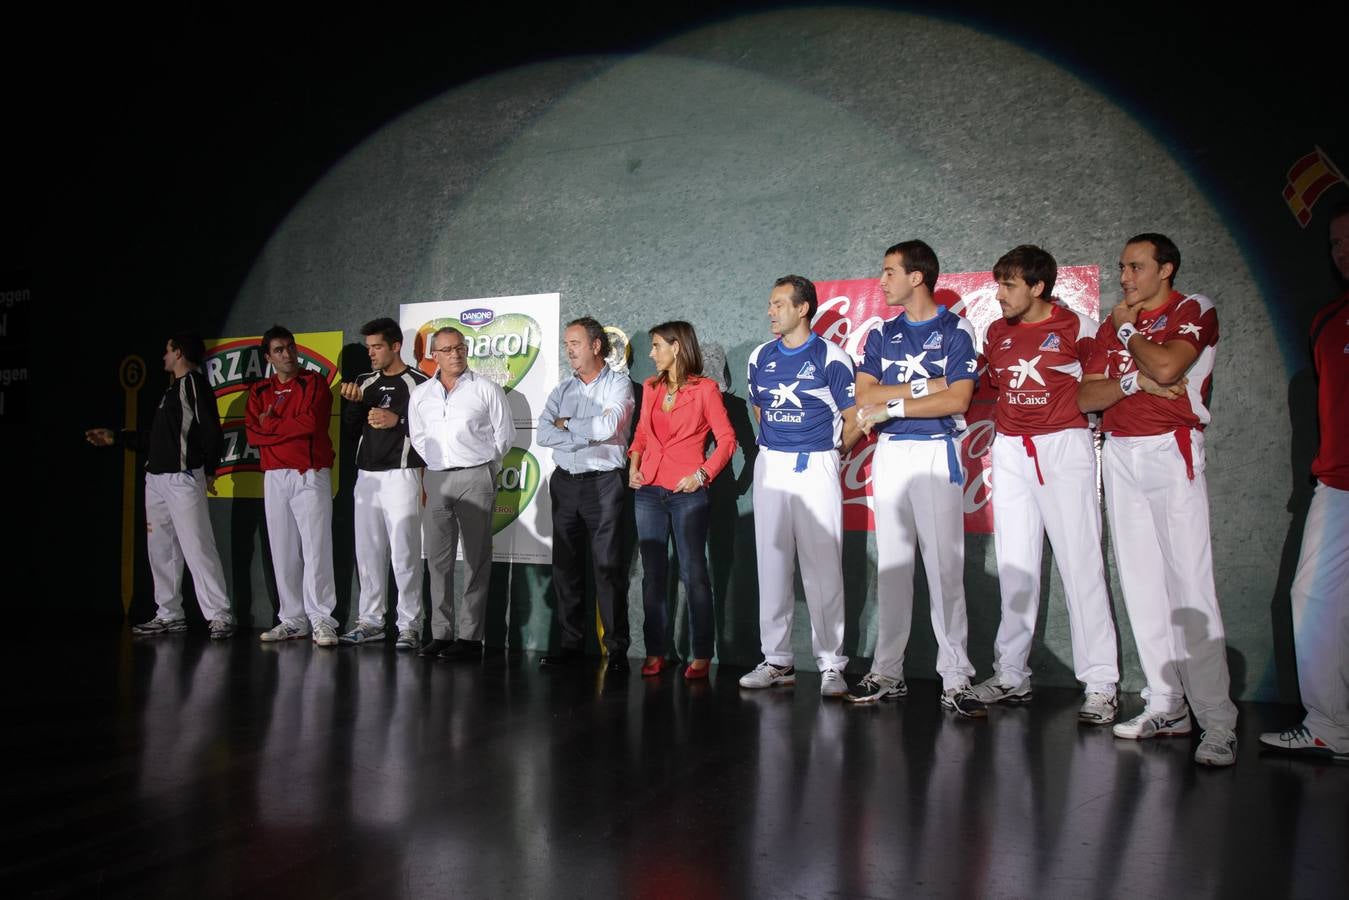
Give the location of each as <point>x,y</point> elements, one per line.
<point>766,675</point>
<point>408,640</point>
<point>1217,747</point>
<point>221,629</point>
<point>994,691</point>
<point>832,683</point>
<point>325,635</point>
<point>284,632</point>
<point>1098,709</point>
<point>1150,723</point>
<point>1300,740</point>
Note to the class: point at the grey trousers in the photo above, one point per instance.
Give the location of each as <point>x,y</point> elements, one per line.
<point>459,505</point>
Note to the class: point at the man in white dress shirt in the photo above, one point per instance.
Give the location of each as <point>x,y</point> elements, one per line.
<point>461,426</point>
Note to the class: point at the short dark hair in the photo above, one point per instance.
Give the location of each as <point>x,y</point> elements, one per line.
<point>1164,250</point>
<point>594,332</point>
<point>384,327</point>
<point>918,257</point>
<point>803,291</point>
<point>273,333</point>
<point>448,329</point>
<point>190,345</point>
<point>681,333</point>
<point>1031,264</point>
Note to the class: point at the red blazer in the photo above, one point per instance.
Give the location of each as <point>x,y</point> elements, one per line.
<point>698,409</point>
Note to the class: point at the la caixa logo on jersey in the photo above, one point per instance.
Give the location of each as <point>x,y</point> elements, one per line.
<point>230,366</point>
<point>849,309</point>
<point>501,346</point>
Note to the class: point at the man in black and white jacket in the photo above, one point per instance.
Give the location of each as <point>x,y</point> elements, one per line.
<point>182,447</point>
<point>388,488</point>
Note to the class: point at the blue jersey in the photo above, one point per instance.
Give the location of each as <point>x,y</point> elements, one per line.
<point>800,394</point>
<point>901,350</point>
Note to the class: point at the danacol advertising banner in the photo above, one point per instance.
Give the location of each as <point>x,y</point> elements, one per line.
<point>231,365</point>
<point>513,341</point>
<point>849,309</point>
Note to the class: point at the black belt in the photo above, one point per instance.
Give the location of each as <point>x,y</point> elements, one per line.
<point>582,476</point>
<point>459,468</point>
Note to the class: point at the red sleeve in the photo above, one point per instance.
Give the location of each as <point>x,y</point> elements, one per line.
<point>714,412</point>
<point>1191,317</point>
<point>252,410</point>
<point>1090,355</point>
<point>1099,363</point>
<point>316,406</point>
<point>643,433</point>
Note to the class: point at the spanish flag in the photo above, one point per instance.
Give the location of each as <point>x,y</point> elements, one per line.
<point>1309,178</point>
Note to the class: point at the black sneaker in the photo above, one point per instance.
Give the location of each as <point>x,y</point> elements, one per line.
<point>875,687</point>
<point>567,656</point>
<point>462,651</point>
<point>961,700</point>
<point>159,626</point>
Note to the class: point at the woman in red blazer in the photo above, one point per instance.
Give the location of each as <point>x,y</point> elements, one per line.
<point>670,469</point>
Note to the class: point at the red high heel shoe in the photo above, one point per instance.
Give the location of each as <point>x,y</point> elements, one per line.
<point>692,674</point>
<point>653,668</point>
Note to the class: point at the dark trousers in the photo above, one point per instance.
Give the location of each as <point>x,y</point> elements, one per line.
<point>660,514</point>
<point>589,507</point>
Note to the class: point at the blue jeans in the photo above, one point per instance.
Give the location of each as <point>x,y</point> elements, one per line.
<point>660,513</point>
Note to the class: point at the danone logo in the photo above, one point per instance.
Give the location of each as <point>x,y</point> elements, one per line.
<point>516,486</point>
<point>502,348</point>
<point>232,366</point>
<point>476,318</point>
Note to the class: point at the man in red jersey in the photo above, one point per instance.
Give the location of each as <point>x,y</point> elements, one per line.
<point>1044,481</point>
<point>287,421</point>
<point>1321,585</point>
<point>1152,379</point>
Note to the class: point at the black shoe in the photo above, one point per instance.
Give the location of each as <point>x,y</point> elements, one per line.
<point>617,665</point>
<point>461,651</point>
<point>433,647</point>
<point>567,656</point>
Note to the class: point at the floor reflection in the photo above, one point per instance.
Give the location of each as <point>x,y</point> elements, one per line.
<point>363,772</point>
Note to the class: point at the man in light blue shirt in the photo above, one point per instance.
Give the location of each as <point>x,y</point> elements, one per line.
<point>586,422</point>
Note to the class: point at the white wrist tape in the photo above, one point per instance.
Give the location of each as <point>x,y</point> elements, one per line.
<point>1129,384</point>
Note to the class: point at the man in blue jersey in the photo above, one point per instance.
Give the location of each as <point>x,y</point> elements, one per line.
<point>914,385</point>
<point>800,385</point>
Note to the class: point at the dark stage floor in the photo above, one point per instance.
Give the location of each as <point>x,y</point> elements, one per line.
<point>173,767</point>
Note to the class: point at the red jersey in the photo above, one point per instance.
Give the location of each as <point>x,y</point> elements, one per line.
<point>295,435</point>
<point>1191,319</point>
<point>1330,355</point>
<point>1036,368</point>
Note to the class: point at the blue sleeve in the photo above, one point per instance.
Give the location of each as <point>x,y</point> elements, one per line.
<point>871,360</point>
<point>751,387</point>
<point>962,363</point>
<point>548,434</point>
<point>839,375</point>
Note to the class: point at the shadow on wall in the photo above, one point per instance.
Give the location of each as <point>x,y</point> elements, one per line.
<point>1280,680</point>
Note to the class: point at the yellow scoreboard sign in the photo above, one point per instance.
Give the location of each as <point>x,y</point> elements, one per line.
<point>231,365</point>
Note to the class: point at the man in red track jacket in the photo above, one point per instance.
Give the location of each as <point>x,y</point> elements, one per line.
<point>287,421</point>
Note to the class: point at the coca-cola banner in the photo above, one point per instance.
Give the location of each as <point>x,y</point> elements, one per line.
<point>850,308</point>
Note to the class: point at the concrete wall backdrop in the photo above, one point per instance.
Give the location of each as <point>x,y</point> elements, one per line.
<point>677,180</point>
